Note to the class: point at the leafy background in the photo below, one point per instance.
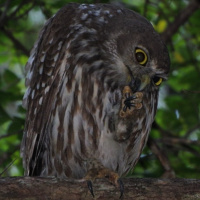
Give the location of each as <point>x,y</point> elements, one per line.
<point>174,145</point>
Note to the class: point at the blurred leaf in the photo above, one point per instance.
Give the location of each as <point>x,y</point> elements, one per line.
<point>178,57</point>
<point>161,26</point>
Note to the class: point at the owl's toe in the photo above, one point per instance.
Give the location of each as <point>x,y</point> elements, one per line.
<point>130,102</point>
<point>89,184</point>
<point>121,186</point>
<point>134,100</point>
<point>112,177</point>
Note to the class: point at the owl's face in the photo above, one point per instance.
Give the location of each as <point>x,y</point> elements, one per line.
<point>142,57</point>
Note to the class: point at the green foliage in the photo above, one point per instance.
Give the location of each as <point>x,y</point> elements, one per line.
<point>177,128</point>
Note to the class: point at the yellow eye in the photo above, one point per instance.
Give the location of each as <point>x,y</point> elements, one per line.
<point>141,56</point>
<point>157,80</point>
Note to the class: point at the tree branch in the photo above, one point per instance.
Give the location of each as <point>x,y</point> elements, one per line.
<point>3,14</point>
<point>137,189</point>
<point>17,44</point>
<point>10,134</point>
<point>180,20</point>
<point>169,172</point>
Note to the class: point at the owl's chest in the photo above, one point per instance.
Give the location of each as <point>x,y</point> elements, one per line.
<point>123,138</point>
<point>121,156</point>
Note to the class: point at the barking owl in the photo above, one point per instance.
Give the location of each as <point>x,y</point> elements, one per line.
<point>92,90</point>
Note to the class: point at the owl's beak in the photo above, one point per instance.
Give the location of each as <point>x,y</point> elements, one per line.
<point>139,84</point>
<point>145,80</point>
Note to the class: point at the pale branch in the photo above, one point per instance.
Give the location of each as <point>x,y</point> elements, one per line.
<point>182,17</point>
<point>138,189</point>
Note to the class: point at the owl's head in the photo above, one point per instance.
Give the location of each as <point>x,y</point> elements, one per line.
<point>140,54</point>
<point>118,44</point>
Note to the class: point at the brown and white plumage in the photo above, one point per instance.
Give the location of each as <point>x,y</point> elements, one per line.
<point>78,68</point>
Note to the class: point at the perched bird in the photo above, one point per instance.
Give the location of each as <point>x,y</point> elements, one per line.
<point>92,91</point>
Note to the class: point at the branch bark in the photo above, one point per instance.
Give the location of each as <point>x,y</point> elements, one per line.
<point>138,189</point>
<point>182,17</point>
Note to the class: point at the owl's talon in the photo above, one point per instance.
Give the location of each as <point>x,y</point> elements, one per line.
<point>130,102</point>
<point>121,186</point>
<point>129,99</point>
<point>133,101</point>
<point>102,172</point>
<point>89,184</point>
<point>124,108</point>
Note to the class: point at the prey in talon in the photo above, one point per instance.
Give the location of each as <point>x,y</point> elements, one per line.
<point>130,101</point>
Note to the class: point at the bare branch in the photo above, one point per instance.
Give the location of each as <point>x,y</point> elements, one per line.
<point>18,45</point>
<point>191,91</point>
<point>9,134</point>
<point>181,144</point>
<point>197,126</point>
<point>7,155</point>
<point>180,20</point>
<point>183,141</point>
<point>7,167</point>
<point>162,131</point>
<point>14,13</point>
<point>169,172</point>
<point>24,13</point>
<point>3,14</point>
<point>145,8</point>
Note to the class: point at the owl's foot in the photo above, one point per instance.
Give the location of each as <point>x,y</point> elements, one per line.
<point>130,102</point>
<point>104,173</point>
<point>133,101</point>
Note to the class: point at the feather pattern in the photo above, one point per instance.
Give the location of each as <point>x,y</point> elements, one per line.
<point>76,74</point>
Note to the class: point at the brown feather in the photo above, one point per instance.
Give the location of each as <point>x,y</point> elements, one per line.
<point>78,68</point>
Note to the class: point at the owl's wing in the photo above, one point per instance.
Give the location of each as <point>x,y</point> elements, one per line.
<point>45,68</point>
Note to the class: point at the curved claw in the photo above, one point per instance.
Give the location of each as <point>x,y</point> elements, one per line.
<point>89,184</point>
<point>121,186</point>
<point>124,108</point>
<point>134,101</point>
<point>128,103</point>
<point>130,98</point>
